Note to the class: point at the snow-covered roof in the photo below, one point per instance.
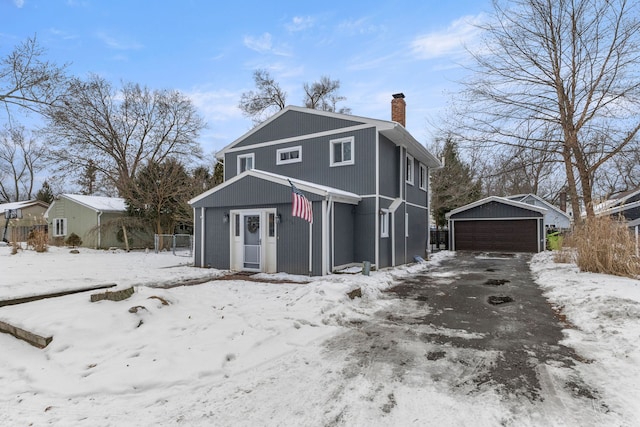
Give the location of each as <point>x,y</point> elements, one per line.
<point>99,203</point>
<point>322,190</point>
<point>20,205</point>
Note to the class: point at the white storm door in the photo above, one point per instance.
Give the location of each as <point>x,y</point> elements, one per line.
<point>252,231</point>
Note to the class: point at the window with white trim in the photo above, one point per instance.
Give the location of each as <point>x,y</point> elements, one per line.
<point>409,169</point>
<point>60,227</point>
<point>384,222</point>
<point>245,162</point>
<point>406,225</point>
<point>342,151</point>
<point>423,176</point>
<point>289,155</point>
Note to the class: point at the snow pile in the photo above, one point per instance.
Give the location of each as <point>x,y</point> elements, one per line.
<point>603,326</point>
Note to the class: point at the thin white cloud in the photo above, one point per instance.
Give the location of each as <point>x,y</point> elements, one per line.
<point>450,41</point>
<point>359,26</point>
<point>18,3</point>
<point>118,44</point>
<point>300,23</point>
<point>264,44</point>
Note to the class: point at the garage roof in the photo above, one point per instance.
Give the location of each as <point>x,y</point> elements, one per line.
<point>496,199</point>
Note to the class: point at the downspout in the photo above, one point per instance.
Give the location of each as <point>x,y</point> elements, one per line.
<point>377,211</point>
<point>99,231</point>
<point>327,242</point>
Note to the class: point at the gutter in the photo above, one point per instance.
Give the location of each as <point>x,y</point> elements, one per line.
<point>99,230</point>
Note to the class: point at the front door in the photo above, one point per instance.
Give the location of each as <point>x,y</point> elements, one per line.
<point>252,242</point>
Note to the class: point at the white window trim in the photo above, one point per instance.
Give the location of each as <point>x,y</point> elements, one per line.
<point>410,172</point>
<point>406,224</point>
<point>423,177</point>
<point>297,148</point>
<point>55,227</point>
<point>246,156</point>
<point>333,142</point>
<point>384,223</point>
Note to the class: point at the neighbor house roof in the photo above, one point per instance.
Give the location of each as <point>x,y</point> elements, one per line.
<point>498,200</point>
<point>617,204</point>
<point>522,197</point>
<point>322,190</point>
<point>21,205</point>
<point>392,130</point>
<point>95,203</point>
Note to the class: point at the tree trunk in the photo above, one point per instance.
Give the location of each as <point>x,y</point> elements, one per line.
<point>126,239</point>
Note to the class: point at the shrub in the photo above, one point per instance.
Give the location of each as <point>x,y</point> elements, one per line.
<point>73,240</point>
<point>605,245</point>
<point>37,239</point>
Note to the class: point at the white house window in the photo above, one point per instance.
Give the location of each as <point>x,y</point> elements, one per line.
<point>423,177</point>
<point>60,227</point>
<point>289,155</point>
<point>409,169</point>
<point>384,223</point>
<point>245,162</point>
<point>342,151</point>
<point>406,225</point>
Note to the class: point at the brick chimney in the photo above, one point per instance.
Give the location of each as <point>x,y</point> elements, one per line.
<point>399,109</point>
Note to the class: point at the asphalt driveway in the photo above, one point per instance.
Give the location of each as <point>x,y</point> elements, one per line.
<point>493,297</point>
<point>476,323</point>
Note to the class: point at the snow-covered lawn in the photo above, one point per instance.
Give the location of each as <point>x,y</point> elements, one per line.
<point>251,353</point>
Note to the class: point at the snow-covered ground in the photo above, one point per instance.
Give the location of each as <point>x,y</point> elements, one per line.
<point>228,353</point>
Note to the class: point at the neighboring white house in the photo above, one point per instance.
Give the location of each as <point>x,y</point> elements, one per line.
<point>553,218</point>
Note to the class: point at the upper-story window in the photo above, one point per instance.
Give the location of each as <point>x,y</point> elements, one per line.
<point>342,151</point>
<point>423,176</point>
<point>245,162</point>
<point>289,155</point>
<point>409,169</point>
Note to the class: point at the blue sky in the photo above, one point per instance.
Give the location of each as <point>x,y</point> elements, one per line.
<point>208,50</point>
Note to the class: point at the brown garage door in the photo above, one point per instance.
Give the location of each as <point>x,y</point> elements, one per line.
<point>496,235</point>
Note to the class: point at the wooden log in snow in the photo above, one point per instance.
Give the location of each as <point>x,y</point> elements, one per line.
<point>22,334</point>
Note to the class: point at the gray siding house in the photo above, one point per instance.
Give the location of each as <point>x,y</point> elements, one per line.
<point>367,181</point>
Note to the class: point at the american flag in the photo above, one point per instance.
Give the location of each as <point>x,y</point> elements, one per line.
<point>301,205</point>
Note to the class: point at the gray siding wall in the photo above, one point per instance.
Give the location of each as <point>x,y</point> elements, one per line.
<point>251,192</point>
<point>344,216</point>
<point>364,239</point>
<point>496,210</point>
<point>389,168</point>
<point>418,229</point>
<point>293,241</point>
<point>295,123</point>
<point>216,239</point>
<point>315,167</point>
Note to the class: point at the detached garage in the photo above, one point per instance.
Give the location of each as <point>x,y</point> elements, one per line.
<point>497,224</point>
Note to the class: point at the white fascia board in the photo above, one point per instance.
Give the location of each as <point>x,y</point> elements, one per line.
<point>497,200</point>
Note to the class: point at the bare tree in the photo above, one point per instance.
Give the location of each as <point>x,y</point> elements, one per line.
<point>566,72</point>
<point>27,80</point>
<point>267,99</point>
<point>322,95</point>
<point>121,130</point>
<point>21,158</point>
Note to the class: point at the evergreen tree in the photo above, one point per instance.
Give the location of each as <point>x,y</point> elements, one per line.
<point>45,194</point>
<point>453,185</point>
<point>160,195</point>
<point>88,178</point>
